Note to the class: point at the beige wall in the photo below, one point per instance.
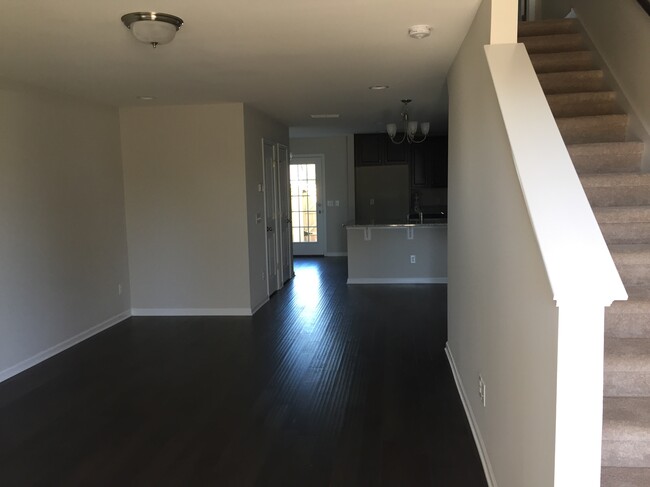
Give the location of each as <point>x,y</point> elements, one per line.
<point>335,151</point>
<point>258,126</point>
<point>620,31</point>
<point>62,231</point>
<point>502,317</point>
<point>185,186</point>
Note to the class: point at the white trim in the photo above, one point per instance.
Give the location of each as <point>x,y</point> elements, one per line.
<point>257,308</point>
<point>303,249</point>
<point>191,312</point>
<point>482,451</point>
<point>336,254</point>
<point>397,280</point>
<point>60,347</point>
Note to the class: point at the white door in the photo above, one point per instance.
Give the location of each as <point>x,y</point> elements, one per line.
<point>284,216</point>
<point>270,210</point>
<point>307,205</point>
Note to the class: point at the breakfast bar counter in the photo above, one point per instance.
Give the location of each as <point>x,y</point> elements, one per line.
<point>397,253</point>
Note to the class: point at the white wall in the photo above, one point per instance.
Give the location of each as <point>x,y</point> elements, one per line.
<point>502,317</point>
<point>620,30</point>
<point>337,161</point>
<point>62,230</point>
<point>185,186</point>
<point>258,126</point>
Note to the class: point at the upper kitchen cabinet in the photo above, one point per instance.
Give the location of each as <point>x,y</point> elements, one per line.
<point>428,163</point>
<point>377,149</point>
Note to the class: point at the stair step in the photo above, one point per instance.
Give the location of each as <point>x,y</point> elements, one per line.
<point>583,104</point>
<point>572,82</point>
<point>624,224</point>
<point>600,128</point>
<point>607,157</point>
<point>626,432</point>
<point>631,318</point>
<point>547,27</point>
<point>624,477</point>
<point>633,263</point>
<point>617,189</point>
<point>555,62</point>
<point>553,43</point>
<point>627,367</point>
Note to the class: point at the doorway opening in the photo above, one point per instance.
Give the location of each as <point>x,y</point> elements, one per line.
<point>307,213</point>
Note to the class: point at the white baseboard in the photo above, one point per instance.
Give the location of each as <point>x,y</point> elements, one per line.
<point>397,280</point>
<point>191,312</point>
<point>336,254</point>
<point>60,347</point>
<point>257,308</point>
<point>482,451</point>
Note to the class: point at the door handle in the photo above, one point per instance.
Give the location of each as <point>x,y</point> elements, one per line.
<point>269,229</point>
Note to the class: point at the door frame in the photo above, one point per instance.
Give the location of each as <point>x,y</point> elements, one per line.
<point>320,178</point>
<point>265,185</point>
<point>284,200</point>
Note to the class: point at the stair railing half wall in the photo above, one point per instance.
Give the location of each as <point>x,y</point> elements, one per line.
<point>580,269</point>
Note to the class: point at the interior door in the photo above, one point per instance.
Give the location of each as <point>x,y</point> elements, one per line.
<point>271,211</point>
<point>307,208</point>
<point>284,216</point>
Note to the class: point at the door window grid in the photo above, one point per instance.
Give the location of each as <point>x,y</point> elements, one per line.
<point>303,202</point>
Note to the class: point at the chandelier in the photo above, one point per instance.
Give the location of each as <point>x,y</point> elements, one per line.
<point>410,128</point>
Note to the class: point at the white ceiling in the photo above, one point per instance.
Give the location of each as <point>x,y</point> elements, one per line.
<point>288,58</point>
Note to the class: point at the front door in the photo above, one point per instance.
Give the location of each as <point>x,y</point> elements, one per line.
<point>307,210</point>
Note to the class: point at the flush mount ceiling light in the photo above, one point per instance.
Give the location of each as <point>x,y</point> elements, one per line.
<point>410,128</point>
<point>378,87</point>
<point>152,27</point>
<point>419,31</point>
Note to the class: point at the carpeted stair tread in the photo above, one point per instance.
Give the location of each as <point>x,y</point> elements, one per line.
<point>556,62</point>
<point>583,104</point>
<point>572,82</point>
<point>599,128</point>
<point>627,367</point>
<point>544,27</point>
<point>553,43</point>
<point>627,354</point>
<point>617,189</point>
<point>607,157</point>
<point>623,214</point>
<point>624,224</point>
<point>625,477</point>
<point>633,263</point>
<point>626,432</point>
<point>631,318</point>
<point>621,180</point>
<point>626,418</point>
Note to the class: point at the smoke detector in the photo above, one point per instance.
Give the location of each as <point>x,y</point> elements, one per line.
<point>419,31</point>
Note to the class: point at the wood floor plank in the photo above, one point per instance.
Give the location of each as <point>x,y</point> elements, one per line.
<point>327,385</point>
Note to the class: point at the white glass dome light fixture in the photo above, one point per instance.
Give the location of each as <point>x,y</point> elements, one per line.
<point>410,128</point>
<point>152,27</point>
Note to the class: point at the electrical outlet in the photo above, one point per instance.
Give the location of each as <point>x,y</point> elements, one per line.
<point>119,289</point>
<point>263,275</point>
<point>413,259</point>
<point>372,201</point>
<point>481,390</point>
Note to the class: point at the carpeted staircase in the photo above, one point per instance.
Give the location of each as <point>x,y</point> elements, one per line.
<point>609,164</point>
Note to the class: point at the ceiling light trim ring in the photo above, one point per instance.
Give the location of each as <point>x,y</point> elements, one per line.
<point>129,19</point>
<point>152,27</point>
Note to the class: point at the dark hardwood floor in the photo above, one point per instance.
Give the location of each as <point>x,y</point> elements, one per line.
<point>327,385</point>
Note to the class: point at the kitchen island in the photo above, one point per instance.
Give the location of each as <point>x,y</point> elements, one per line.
<point>397,253</point>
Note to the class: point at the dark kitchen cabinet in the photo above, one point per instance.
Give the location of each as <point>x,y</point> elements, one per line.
<point>428,163</point>
<point>377,150</point>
